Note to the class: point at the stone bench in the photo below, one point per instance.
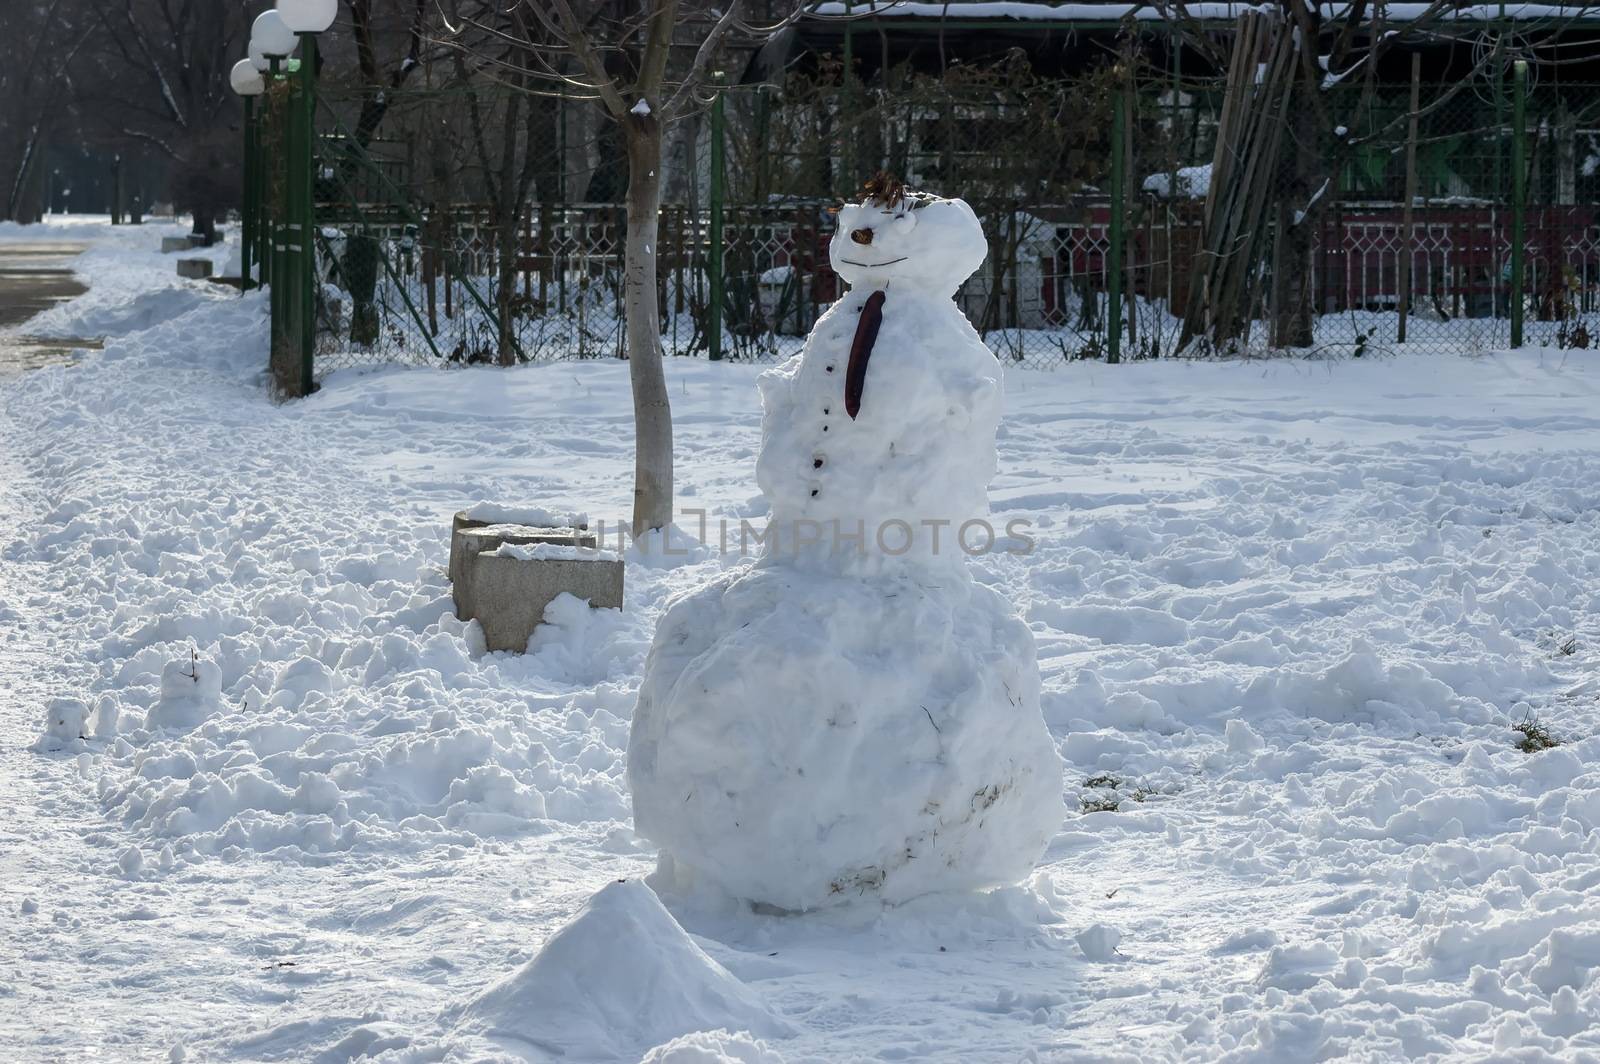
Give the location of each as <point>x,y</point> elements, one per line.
<point>170,244</point>
<point>195,269</point>
<point>504,575</point>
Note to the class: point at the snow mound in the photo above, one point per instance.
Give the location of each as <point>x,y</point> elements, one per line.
<point>802,740</point>
<point>713,1047</point>
<point>1194,182</point>
<point>1099,942</point>
<point>191,691</point>
<point>622,975</point>
<point>496,513</point>
<point>65,722</point>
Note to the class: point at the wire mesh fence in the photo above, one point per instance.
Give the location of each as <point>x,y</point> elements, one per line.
<point>1221,221</point>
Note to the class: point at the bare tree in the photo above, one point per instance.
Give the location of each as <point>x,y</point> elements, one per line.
<point>161,80</point>
<point>377,86</point>
<point>36,93</point>
<point>644,64</point>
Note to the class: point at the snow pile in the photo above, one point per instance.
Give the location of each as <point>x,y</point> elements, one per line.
<point>1098,942</point>
<point>132,284</point>
<point>191,691</point>
<point>66,721</point>
<point>496,513</point>
<point>621,977</point>
<point>334,703</point>
<point>713,1047</point>
<point>552,551</point>
<point>1194,182</point>
<point>859,718</point>
<point>304,760</point>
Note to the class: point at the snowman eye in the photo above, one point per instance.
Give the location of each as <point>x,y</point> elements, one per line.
<point>902,223</point>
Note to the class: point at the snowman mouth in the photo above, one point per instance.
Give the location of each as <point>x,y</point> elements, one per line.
<point>875,265</point>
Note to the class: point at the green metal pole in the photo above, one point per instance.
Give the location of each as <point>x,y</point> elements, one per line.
<point>305,279</point>
<point>247,212</point>
<point>263,214</point>
<point>272,262</point>
<point>258,206</point>
<point>848,182</point>
<point>714,251</point>
<point>1519,195</point>
<point>849,41</point>
<point>1119,178</point>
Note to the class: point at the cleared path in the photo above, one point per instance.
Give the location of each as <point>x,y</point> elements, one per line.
<point>35,277</point>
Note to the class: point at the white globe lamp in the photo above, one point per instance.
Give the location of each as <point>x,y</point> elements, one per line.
<point>308,16</point>
<point>272,36</point>
<point>246,79</point>
<point>258,58</point>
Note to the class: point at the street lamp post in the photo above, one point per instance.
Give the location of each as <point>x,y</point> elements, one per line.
<point>268,68</point>
<point>271,43</point>
<point>305,19</point>
<point>246,81</point>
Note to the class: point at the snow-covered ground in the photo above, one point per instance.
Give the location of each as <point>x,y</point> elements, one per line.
<point>1288,614</point>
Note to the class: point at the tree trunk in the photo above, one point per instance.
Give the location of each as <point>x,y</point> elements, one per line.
<point>205,224</point>
<point>509,250</point>
<point>1303,201</point>
<point>18,208</point>
<point>652,411</point>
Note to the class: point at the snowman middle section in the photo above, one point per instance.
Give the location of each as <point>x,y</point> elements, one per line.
<point>892,487</point>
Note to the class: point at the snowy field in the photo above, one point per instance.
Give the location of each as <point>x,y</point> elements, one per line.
<point>1288,615</point>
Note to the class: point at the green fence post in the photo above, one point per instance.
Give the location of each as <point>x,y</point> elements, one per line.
<point>714,251</point>
<point>1519,195</point>
<point>116,190</point>
<point>305,278</point>
<point>1119,178</point>
<point>247,213</point>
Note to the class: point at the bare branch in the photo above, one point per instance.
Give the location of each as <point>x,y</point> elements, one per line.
<point>702,60</point>
<point>576,38</point>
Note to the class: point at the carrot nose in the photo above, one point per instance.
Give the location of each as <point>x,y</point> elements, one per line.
<point>861,236</point>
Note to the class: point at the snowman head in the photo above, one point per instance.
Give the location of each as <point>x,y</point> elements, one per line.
<point>900,239</point>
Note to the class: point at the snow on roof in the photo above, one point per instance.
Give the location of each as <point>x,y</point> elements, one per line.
<point>1206,9</point>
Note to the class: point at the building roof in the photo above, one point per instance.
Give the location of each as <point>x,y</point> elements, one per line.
<point>1217,10</point>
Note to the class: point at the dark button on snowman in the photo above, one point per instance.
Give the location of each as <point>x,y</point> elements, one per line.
<point>853,715</point>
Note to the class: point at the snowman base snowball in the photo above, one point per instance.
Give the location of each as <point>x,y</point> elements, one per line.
<point>801,741</point>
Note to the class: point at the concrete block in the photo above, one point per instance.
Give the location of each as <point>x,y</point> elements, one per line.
<point>194,269</point>
<point>506,592</point>
<point>498,532</point>
<point>174,243</point>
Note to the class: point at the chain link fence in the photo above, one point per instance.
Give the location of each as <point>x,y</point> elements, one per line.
<point>1131,212</point>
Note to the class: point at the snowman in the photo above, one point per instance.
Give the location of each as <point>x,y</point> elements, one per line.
<point>853,715</point>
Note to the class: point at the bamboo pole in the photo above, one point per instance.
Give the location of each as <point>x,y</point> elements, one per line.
<point>1403,271</point>
<point>1115,229</point>
<point>1519,196</point>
